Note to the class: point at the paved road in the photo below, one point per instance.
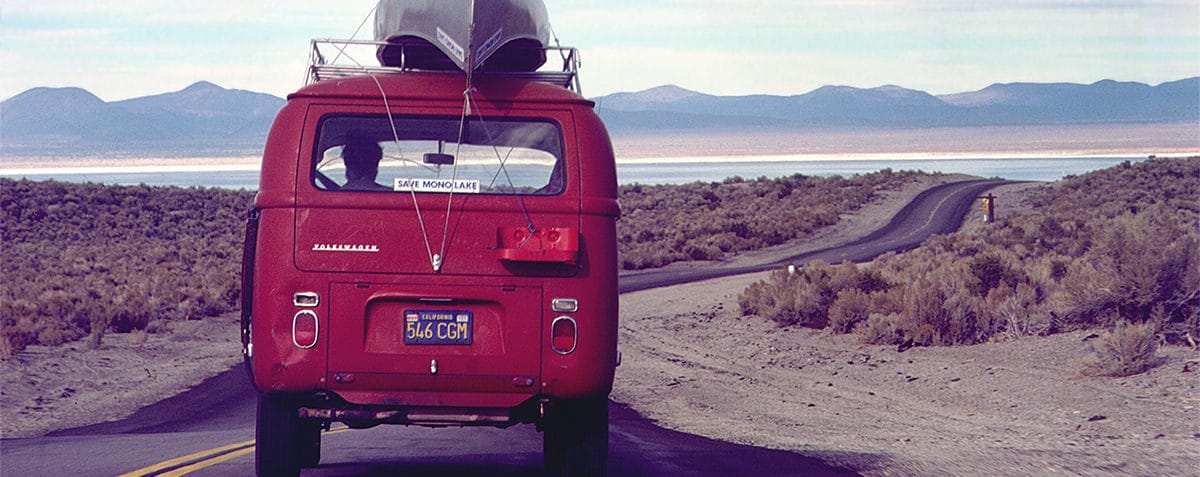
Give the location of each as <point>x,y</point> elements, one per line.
<point>939,210</point>
<point>220,413</point>
<point>210,430</point>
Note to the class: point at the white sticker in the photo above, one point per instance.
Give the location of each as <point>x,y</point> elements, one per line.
<point>445,186</point>
<point>445,39</point>
<point>488,47</point>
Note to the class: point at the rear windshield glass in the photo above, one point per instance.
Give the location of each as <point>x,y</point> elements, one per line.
<point>424,155</point>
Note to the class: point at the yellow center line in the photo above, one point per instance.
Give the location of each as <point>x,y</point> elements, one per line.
<point>204,459</point>
<point>932,214</point>
<point>928,221</point>
<point>167,464</point>
<point>207,463</point>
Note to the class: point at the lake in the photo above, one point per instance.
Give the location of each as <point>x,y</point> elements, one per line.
<point>644,171</point>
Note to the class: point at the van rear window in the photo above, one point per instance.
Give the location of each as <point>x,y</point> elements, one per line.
<point>424,154</point>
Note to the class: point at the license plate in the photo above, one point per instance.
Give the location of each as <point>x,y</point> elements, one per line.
<point>437,327</point>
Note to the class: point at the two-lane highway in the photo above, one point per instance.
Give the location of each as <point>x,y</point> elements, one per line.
<point>938,210</point>
<point>209,430</point>
<point>191,435</point>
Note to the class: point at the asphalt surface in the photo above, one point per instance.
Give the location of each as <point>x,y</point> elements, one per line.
<point>939,210</point>
<point>209,430</point>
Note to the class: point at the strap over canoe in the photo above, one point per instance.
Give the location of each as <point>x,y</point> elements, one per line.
<point>467,35</point>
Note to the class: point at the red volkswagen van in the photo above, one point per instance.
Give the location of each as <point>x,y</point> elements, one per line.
<point>436,250</point>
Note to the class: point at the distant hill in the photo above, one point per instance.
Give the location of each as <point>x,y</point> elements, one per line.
<point>206,119</point>
<point>201,119</point>
<point>1103,102</point>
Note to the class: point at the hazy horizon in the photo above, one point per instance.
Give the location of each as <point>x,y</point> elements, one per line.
<point>980,142</point>
<point>139,48</point>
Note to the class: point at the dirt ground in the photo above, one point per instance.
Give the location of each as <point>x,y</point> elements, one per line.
<point>692,363</point>
<point>43,389</point>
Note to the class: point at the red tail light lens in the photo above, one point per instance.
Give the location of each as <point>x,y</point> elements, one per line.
<point>305,329</point>
<point>563,335</point>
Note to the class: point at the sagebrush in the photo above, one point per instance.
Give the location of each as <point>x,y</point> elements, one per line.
<point>1127,350</point>
<point>1113,246</point>
<point>84,259</point>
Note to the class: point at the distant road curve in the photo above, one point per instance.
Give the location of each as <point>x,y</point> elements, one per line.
<point>209,430</point>
<point>938,210</point>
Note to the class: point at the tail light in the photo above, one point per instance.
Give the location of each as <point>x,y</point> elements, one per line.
<point>563,335</point>
<point>305,329</point>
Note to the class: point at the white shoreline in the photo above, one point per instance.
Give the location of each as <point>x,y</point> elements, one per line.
<point>904,156</point>
<point>124,169</point>
<point>232,164</point>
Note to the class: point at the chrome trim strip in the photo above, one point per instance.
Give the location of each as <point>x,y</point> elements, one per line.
<point>564,305</point>
<point>316,299</point>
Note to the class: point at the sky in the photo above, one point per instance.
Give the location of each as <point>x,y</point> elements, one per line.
<point>130,48</point>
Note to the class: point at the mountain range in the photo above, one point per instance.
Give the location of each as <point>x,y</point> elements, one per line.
<point>206,119</point>
<point>201,119</point>
<point>1103,102</point>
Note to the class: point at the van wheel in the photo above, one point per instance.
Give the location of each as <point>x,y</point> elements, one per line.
<point>575,441</point>
<point>276,435</point>
<point>308,444</point>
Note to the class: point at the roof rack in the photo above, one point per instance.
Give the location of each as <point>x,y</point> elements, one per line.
<point>332,59</point>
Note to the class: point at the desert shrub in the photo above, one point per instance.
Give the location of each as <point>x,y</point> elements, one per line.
<point>84,259</point>
<point>931,301</point>
<point>934,314</point>
<point>1088,292</point>
<point>15,335</point>
<point>805,297</point>
<point>887,302</point>
<point>1126,350</point>
<point>882,329</point>
<point>56,333</point>
<point>990,271</point>
<point>760,297</point>
<point>1015,312</point>
<point>851,307</point>
<point>809,307</point>
<point>783,298</point>
<point>1121,244</point>
<point>1152,260</point>
<point>1139,262</point>
<point>1112,245</point>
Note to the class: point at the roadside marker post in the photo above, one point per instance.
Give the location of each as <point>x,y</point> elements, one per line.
<point>989,208</point>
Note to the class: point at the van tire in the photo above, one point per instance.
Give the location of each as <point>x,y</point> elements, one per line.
<point>276,435</point>
<point>575,441</point>
<point>308,444</point>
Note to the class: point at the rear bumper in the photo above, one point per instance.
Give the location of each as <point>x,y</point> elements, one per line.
<point>415,416</point>
<point>333,408</point>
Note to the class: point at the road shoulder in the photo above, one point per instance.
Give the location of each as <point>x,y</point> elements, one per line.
<point>692,363</point>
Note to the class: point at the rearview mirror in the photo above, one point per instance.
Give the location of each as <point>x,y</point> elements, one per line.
<point>438,159</point>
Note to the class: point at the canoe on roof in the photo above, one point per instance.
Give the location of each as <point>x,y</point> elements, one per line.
<point>492,35</point>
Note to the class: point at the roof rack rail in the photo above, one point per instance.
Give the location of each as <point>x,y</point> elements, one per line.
<point>332,59</point>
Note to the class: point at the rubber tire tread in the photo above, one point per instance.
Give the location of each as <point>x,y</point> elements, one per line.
<point>275,434</point>
<point>575,442</point>
<point>308,444</point>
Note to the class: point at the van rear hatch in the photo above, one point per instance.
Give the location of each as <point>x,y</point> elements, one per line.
<point>436,250</point>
